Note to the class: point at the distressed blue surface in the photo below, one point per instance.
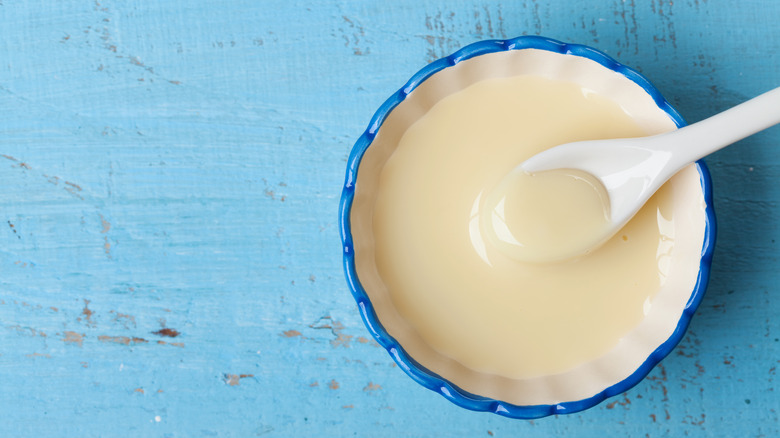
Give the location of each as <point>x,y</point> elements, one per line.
<point>178,166</point>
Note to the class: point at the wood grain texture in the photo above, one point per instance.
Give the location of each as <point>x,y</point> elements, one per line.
<point>170,174</point>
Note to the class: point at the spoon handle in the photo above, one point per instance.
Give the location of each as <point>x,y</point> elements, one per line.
<point>632,169</point>
<point>700,139</point>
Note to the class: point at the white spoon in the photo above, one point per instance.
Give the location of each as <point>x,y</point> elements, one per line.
<point>632,169</point>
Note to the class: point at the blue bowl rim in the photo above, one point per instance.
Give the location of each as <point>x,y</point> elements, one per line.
<point>428,378</point>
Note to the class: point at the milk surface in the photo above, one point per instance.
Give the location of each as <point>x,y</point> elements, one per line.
<point>444,248</point>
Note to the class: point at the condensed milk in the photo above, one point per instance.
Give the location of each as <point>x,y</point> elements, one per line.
<point>453,227</point>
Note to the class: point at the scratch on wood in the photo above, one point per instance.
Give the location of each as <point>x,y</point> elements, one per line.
<point>124,340</point>
<point>689,419</point>
<point>105,224</point>
<point>21,165</point>
<point>356,42</point>
<point>102,30</point>
<point>269,190</point>
<point>336,328</point>
<point>364,340</point>
<point>235,379</point>
<point>13,228</point>
<point>624,402</point>
<point>167,332</point>
<point>372,387</point>
<point>291,333</point>
<point>73,338</point>
<point>106,247</point>
<point>73,189</point>
<point>125,319</point>
<point>440,26</point>
<point>669,33</point>
<point>536,16</point>
<point>87,313</point>
<point>481,25</point>
<point>175,344</point>
<point>630,26</point>
<point>34,355</point>
<point>699,368</point>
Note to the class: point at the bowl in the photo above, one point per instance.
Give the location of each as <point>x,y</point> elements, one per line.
<point>560,391</point>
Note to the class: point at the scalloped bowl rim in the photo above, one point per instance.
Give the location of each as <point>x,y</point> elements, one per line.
<point>428,378</point>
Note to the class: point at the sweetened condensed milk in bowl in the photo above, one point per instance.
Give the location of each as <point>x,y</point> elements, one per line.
<point>446,244</point>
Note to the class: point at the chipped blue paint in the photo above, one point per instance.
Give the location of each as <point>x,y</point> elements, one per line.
<point>178,166</point>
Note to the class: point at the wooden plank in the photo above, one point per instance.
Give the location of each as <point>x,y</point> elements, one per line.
<point>170,174</point>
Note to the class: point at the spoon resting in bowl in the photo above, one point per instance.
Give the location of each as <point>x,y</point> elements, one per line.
<point>631,170</point>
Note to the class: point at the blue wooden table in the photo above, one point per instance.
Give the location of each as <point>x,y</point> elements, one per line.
<point>170,172</point>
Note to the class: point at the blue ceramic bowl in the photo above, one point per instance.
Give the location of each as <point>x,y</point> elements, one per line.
<point>533,398</point>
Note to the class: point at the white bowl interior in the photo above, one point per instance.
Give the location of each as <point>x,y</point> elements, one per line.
<point>587,379</point>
